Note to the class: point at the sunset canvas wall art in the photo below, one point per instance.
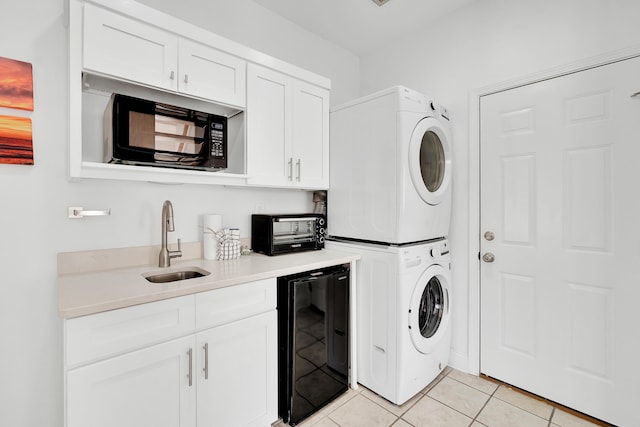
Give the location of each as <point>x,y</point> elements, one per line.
<point>16,84</point>
<point>16,145</point>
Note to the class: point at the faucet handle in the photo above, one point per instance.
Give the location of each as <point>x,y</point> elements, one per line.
<point>178,253</point>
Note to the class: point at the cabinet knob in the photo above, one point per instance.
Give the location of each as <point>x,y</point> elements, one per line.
<point>186,78</point>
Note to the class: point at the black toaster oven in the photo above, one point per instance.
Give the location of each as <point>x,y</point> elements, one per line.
<point>286,233</point>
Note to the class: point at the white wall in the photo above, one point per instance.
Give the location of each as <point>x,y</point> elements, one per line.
<point>487,43</point>
<point>33,199</point>
<point>252,25</point>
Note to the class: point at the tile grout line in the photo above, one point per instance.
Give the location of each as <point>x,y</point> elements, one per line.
<point>399,417</point>
<point>553,411</point>
<point>454,409</point>
<point>475,419</point>
<point>435,382</point>
<point>554,405</point>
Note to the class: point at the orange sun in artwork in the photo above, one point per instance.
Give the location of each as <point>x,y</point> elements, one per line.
<point>16,84</point>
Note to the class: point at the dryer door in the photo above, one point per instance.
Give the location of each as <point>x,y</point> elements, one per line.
<point>430,160</point>
<point>429,309</point>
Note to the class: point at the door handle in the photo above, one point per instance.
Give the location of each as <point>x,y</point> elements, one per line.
<point>206,361</point>
<point>489,235</point>
<point>190,375</point>
<point>488,257</point>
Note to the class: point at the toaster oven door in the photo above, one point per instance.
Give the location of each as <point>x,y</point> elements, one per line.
<point>294,231</point>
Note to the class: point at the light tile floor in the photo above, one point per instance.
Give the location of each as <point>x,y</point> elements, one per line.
<point>453,399</point>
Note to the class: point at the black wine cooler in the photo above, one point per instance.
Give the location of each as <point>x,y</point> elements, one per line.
<point>313,341</point>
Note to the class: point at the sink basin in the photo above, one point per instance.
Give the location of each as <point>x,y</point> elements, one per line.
<point>184,273</point>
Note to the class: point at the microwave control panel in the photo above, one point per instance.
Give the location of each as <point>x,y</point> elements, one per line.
<point>217,140</point>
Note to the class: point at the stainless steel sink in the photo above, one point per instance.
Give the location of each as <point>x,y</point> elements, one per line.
<point>184,273</point>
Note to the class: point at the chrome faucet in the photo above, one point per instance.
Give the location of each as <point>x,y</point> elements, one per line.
<point>167,225</point>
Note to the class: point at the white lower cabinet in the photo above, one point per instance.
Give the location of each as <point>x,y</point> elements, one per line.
<point>148,387</point>
<point>223,372</point>
<point>237,383</point>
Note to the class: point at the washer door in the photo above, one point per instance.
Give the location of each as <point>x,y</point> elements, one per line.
<point>429,309</point>
<point>430,160</point>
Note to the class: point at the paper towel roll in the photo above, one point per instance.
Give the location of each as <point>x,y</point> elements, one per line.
<point>211,224</point>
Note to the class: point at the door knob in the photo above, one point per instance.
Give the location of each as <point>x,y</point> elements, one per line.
<point>489,235</point>
<point>488,257</point>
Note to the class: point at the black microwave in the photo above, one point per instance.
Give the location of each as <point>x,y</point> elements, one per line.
<point>142,132</point>
<point>280,234</point>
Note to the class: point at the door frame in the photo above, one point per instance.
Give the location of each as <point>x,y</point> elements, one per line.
<point>473,332</point>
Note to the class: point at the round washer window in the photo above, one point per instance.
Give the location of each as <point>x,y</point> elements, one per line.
<point>431,308</point>
<point>432,161</point>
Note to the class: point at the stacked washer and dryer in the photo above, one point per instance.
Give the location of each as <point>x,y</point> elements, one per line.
<point>390,201</point>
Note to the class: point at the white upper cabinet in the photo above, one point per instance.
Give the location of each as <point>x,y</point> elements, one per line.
<point>287,130</point>
<point>278,113</point>
<point>310,135</point>
<point>126,48</point>
<point>209,73</point>
<point>269,102</point>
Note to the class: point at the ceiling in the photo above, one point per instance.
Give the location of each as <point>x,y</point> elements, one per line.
<point>361,26</point>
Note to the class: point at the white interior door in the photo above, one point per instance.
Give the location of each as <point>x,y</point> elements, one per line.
<point>559,278</point>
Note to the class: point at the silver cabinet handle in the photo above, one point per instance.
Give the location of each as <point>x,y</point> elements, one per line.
<point>298,168</point>
<point>290,163</point>
<point>635,95</point>
<point>488,257</point>
<point>186,78</point>
<point>190,376</point>
<point>172,75</point>
<point>206,360</point>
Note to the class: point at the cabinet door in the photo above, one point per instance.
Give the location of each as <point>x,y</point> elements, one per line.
<point>125,48</point>
<point>149,387</point>
<point>310,135</point>
<point>237,375</point>
<point>269,160</point>
<point>209,73</point>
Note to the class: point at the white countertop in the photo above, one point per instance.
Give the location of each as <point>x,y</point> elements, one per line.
<point>81,294</point>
